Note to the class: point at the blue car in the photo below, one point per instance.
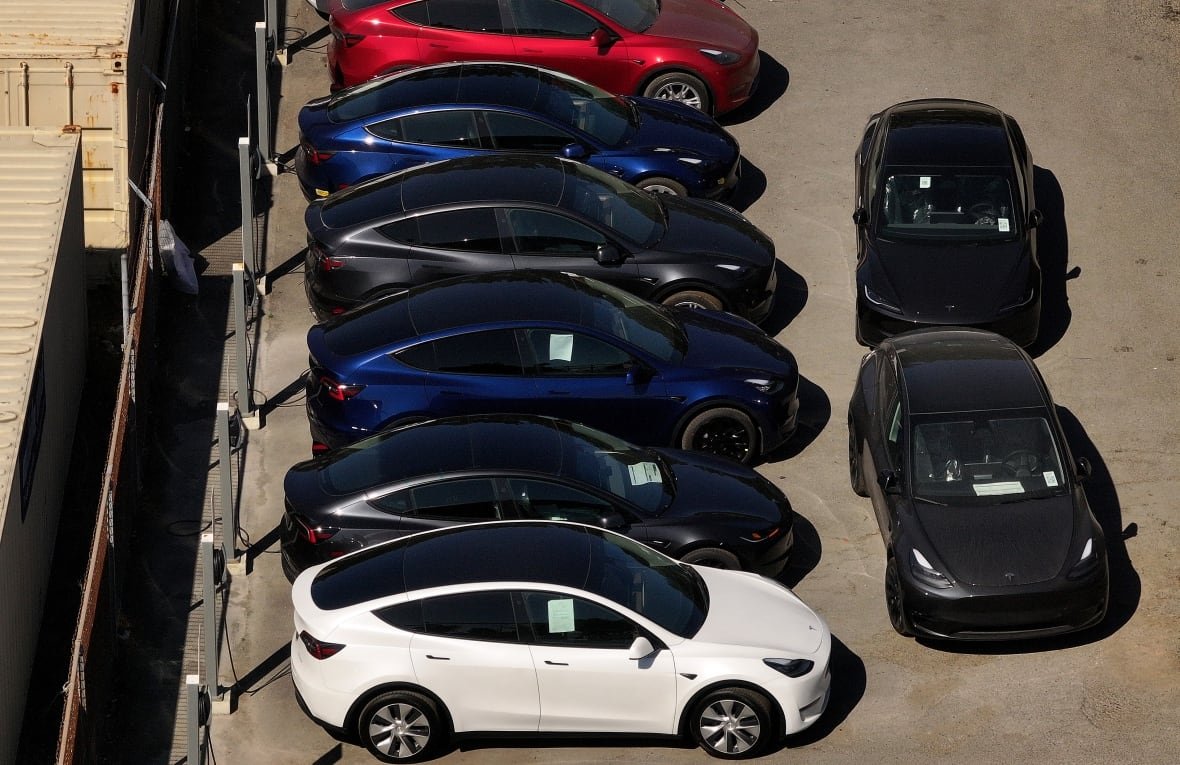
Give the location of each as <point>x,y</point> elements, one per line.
<point>459,109</point>
<point>556,344</point>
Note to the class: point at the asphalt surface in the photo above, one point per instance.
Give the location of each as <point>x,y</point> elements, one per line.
<point>1095,85</point>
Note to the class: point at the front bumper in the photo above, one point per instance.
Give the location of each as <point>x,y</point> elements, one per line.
<point>872,327</point>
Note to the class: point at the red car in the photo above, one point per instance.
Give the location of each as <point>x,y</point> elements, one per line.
<point>699,52</point>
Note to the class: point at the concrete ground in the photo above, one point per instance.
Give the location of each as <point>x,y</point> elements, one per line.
<point>1094,84</point>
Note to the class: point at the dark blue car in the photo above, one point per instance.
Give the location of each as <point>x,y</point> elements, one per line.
<point>455,110</point>
<point>528,342</point>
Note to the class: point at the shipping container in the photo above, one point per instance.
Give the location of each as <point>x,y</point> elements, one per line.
<point>42,368</point>
<point>88,64</point>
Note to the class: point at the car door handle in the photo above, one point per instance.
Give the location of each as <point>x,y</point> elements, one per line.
<point>556,663</point>
<point>558,392</point>
<point>438,45</point>
<point>438,658</point>
<point>532,50</point>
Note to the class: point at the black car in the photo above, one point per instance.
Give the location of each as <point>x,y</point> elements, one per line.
<point>944,222</point>
<point>987,531</point>
<point>499,213</point>
<point>695,507</point>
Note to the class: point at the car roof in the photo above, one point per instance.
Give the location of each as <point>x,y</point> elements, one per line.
<point>543,552</point>
<point>962,370</point>
<point>481,178</point>
<point>946,132</point>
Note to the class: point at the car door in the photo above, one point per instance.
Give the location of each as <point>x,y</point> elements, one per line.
<point>868,168</point>
<point>585,678</point>
<point>886,437</point>
<point>468,651</point>
<point>417,138</point>
<point>474,372</point>
<point>451,243</point>
<point>540,499</point>
<point>556,35</point>
<point>551,241</point>
<point>442,503</point>
<point>460,30</point>
<point>584,378</point>
<point>520,134</point>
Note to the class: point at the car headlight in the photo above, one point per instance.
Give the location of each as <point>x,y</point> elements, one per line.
<point>876,299</point>
<point>790,667</point>
<point>1023,301</point>
<point>1087,562</point>
<point>721,56</point>
<point>924,572</point>
<point>765,384</point>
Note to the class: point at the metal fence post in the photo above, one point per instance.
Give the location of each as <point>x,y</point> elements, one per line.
<point>245,394</point>
<point>262,84</point>
<point>246,189</point>
<point>210,575</point>
<point>229,505</point>
<point>192,690</point>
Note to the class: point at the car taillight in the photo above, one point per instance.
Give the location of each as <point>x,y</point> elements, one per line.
<point>765,535</point>
<point>313,156</point>
<point>318,648</point>
<point>323,261</point>
<point>314,534</point>
<point>350,39</point>
<point>319,447</point>
<point>339,391</point>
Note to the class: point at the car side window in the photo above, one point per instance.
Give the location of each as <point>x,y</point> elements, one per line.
<point>558,353</point>
<point>467,15</point>
<point>545,233</point>
<point>472,499</point>
<point>563,620</point>
<point>470,230</point>
<point>465,616</point>
<point>867,141</point>
<point>893,433</point>
<point>553,502</point>
<point>550,18</point>
<point>452,127</point>
<point>493,352</point>
<point>513,132</point>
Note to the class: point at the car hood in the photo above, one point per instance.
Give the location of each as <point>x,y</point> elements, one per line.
<point>721,341</point>
<point>950,283</point>
<point>671,127</point>
<point>708,22</point>
<point>708,485</point>
<point>750,610</point>
<point>994,546</point>
<point>697,226</point>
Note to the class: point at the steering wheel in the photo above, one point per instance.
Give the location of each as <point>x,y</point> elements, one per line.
<point>984,212</point>
<point>1022,463</point>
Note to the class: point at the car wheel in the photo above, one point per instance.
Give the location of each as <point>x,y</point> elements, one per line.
<point>660,185</point>
<point>682,87</point>
<point>723,431</point>
<point>713,557</point>
<point>401,726</point>
<point>855,474</point>
<point>895,599</point>
<point>693,299</point>
<point>733,724</point>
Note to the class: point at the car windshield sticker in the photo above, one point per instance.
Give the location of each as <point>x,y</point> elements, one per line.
<point>1002,487</point>
<point>923,182</point>
<point>561,347</point>
<point>561,616</point>
<point>644,472</point>
<point>1003,224</point>
<point>1050,478</point>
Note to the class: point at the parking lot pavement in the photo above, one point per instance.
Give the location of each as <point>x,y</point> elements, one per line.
<point>1095,87</point>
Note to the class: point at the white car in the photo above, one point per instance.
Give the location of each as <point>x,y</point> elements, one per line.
<point>538,628</point>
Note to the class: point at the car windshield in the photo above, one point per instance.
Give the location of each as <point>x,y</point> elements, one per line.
<point>611,464</point>
<point>663,590</point>
<point>636,321</point>
<point>608,119</point>
<point>635,214</point>
<point>941,203</point>
<point>633,15</point>
<point>985,458</point>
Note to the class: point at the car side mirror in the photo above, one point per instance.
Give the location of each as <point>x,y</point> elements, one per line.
<point>860,217</point>
<point>602,37</point>
<point>612,520</point>
<point>1035,218</point>
<point>638,374</point>
<point>887,479</point>
<point>608,255</point>
<point>1084,469</point>
<point>641,648</point>
<point>575,151</point>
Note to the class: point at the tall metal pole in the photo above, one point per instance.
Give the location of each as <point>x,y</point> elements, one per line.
<point>245,397</point>
<point>229,505</point>
<point>246,191</point>
<point>192,689</point>
<point>261,72</point>
<point>210,575</point>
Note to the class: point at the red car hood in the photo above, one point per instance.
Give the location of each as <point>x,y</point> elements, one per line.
<point>708,22</point>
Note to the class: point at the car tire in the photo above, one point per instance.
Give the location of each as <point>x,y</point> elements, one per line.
<point>682,87</point>
<point>713,557</point>
<point>694,299</point>
<point>895,599</point>
<point>723,431</point>
<point>401,726</point>
<point>856,474</point>
<point>733,723</point>
<point>661,185</point>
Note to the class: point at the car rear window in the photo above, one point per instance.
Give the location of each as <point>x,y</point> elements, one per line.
<point>376,198</point>
<point>428,86</point>
<point>369,327</point>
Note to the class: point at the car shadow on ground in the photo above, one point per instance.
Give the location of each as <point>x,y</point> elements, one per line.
<point>849,681</point>
<point>790,295</point>
<point>749,188</point>
<point>773,81</point>
<point>1053,254</point>
<point>805,553</point>
<point>1125,587</point>
<point>815,410</point>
